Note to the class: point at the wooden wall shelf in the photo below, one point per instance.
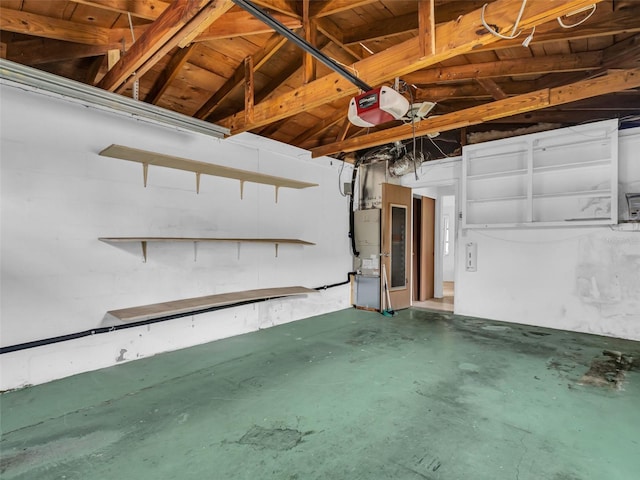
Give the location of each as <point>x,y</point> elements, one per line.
<point>147,158</point>
<point>195,240</point>
<point>196,305</point>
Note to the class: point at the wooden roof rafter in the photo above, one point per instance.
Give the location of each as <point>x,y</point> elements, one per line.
<point>610,82</point>
<point>452,39</point>
<point>275,43</point>
<point>177,24</point>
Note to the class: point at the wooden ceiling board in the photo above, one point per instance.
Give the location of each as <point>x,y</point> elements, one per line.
<point>599,43</point>
<point>73,69</point>
<point>212,60</point>
<point>378,45</point>
<point>514,53</point>
<point>54,8</point>
<point>481,57</point>
<point>94,16</point>
<point>236,48</point>
<point>537,49</point>
<point>379,24</point>
<point>453,62</point>
<point>11,4</point>
<point>183,97</point>
<point>397,8</point>
<point>557,48</point>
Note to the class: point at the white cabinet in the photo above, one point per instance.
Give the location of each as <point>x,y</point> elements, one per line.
<point>555,178</point>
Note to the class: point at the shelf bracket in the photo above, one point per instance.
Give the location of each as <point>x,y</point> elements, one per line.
<point>197,182</point>
<point>276,250</point>
<point>145,173</point>
<point>241,189</point>
<point>143,244</point>
<point>277,188</point>
<point>238,245</point>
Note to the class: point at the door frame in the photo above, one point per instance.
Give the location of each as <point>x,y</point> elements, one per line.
<point>453,189</point>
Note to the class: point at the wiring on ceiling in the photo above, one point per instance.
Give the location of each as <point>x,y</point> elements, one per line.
<point>493,31</point>
<point>515,33</point>
<point>593,10</point>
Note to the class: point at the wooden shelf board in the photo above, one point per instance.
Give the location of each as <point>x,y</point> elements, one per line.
<point>197,304</point>
<point>152,158</point>
<point>203,239</point>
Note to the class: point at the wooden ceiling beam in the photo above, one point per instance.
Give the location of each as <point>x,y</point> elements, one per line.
<point>170,72</point>
<point>605,22</point>
<point>452,39</point>
<point>176,24</point>
<point>441,93</point>
<point>152,9</point>
<point>398,25</point>
<point>275,43</point>
<point>426,27</point>
<point>310,36</point>
<point>40,50</point>
<point>41,26</point>
<point>611,82</point>
<point>557,116</point>
<point>333,33</point>
<point>508,68</point>
<point>249,90</point>
<point>329,7</point>
<point>282,6</point>
<point>285,74</point>
<point>242,24</point>
<point>492,88</point>
<point>147,9</point>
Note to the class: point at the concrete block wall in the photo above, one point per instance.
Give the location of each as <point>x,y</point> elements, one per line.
<point>583,279</point>
<point>59,196</point>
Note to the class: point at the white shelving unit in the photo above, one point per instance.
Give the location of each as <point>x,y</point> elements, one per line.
<point>561,177</point>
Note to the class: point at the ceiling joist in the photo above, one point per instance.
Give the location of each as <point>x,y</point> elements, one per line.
<point>611,82</point>
<point>177,23</point>
<point>452,39</point>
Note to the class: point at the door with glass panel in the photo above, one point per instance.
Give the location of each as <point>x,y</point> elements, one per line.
<point>396,245</point>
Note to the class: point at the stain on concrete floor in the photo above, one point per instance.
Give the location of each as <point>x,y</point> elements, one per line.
<point>273,438</point>
<point>608,370</point>
<point>419,395</point>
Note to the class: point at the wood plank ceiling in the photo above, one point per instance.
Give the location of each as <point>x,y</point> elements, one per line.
<point>212,60</point>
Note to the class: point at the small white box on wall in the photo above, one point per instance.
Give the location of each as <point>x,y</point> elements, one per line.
<point>471,257</point>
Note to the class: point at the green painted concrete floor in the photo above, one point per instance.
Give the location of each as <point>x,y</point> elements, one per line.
<point>349,395</point>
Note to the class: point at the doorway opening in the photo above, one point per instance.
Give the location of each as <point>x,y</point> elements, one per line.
<point>434,251</point>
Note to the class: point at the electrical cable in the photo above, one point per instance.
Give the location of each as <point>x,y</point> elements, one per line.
<point>436,145</point>
<point>113,328</point>
<point>593,10</point>
<point>494,32</point>
<point>340,180</point>
<point>352,221</point>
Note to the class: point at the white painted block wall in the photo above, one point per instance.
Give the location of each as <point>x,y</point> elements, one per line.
<point>580,279</point>
<point>59,196</point>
